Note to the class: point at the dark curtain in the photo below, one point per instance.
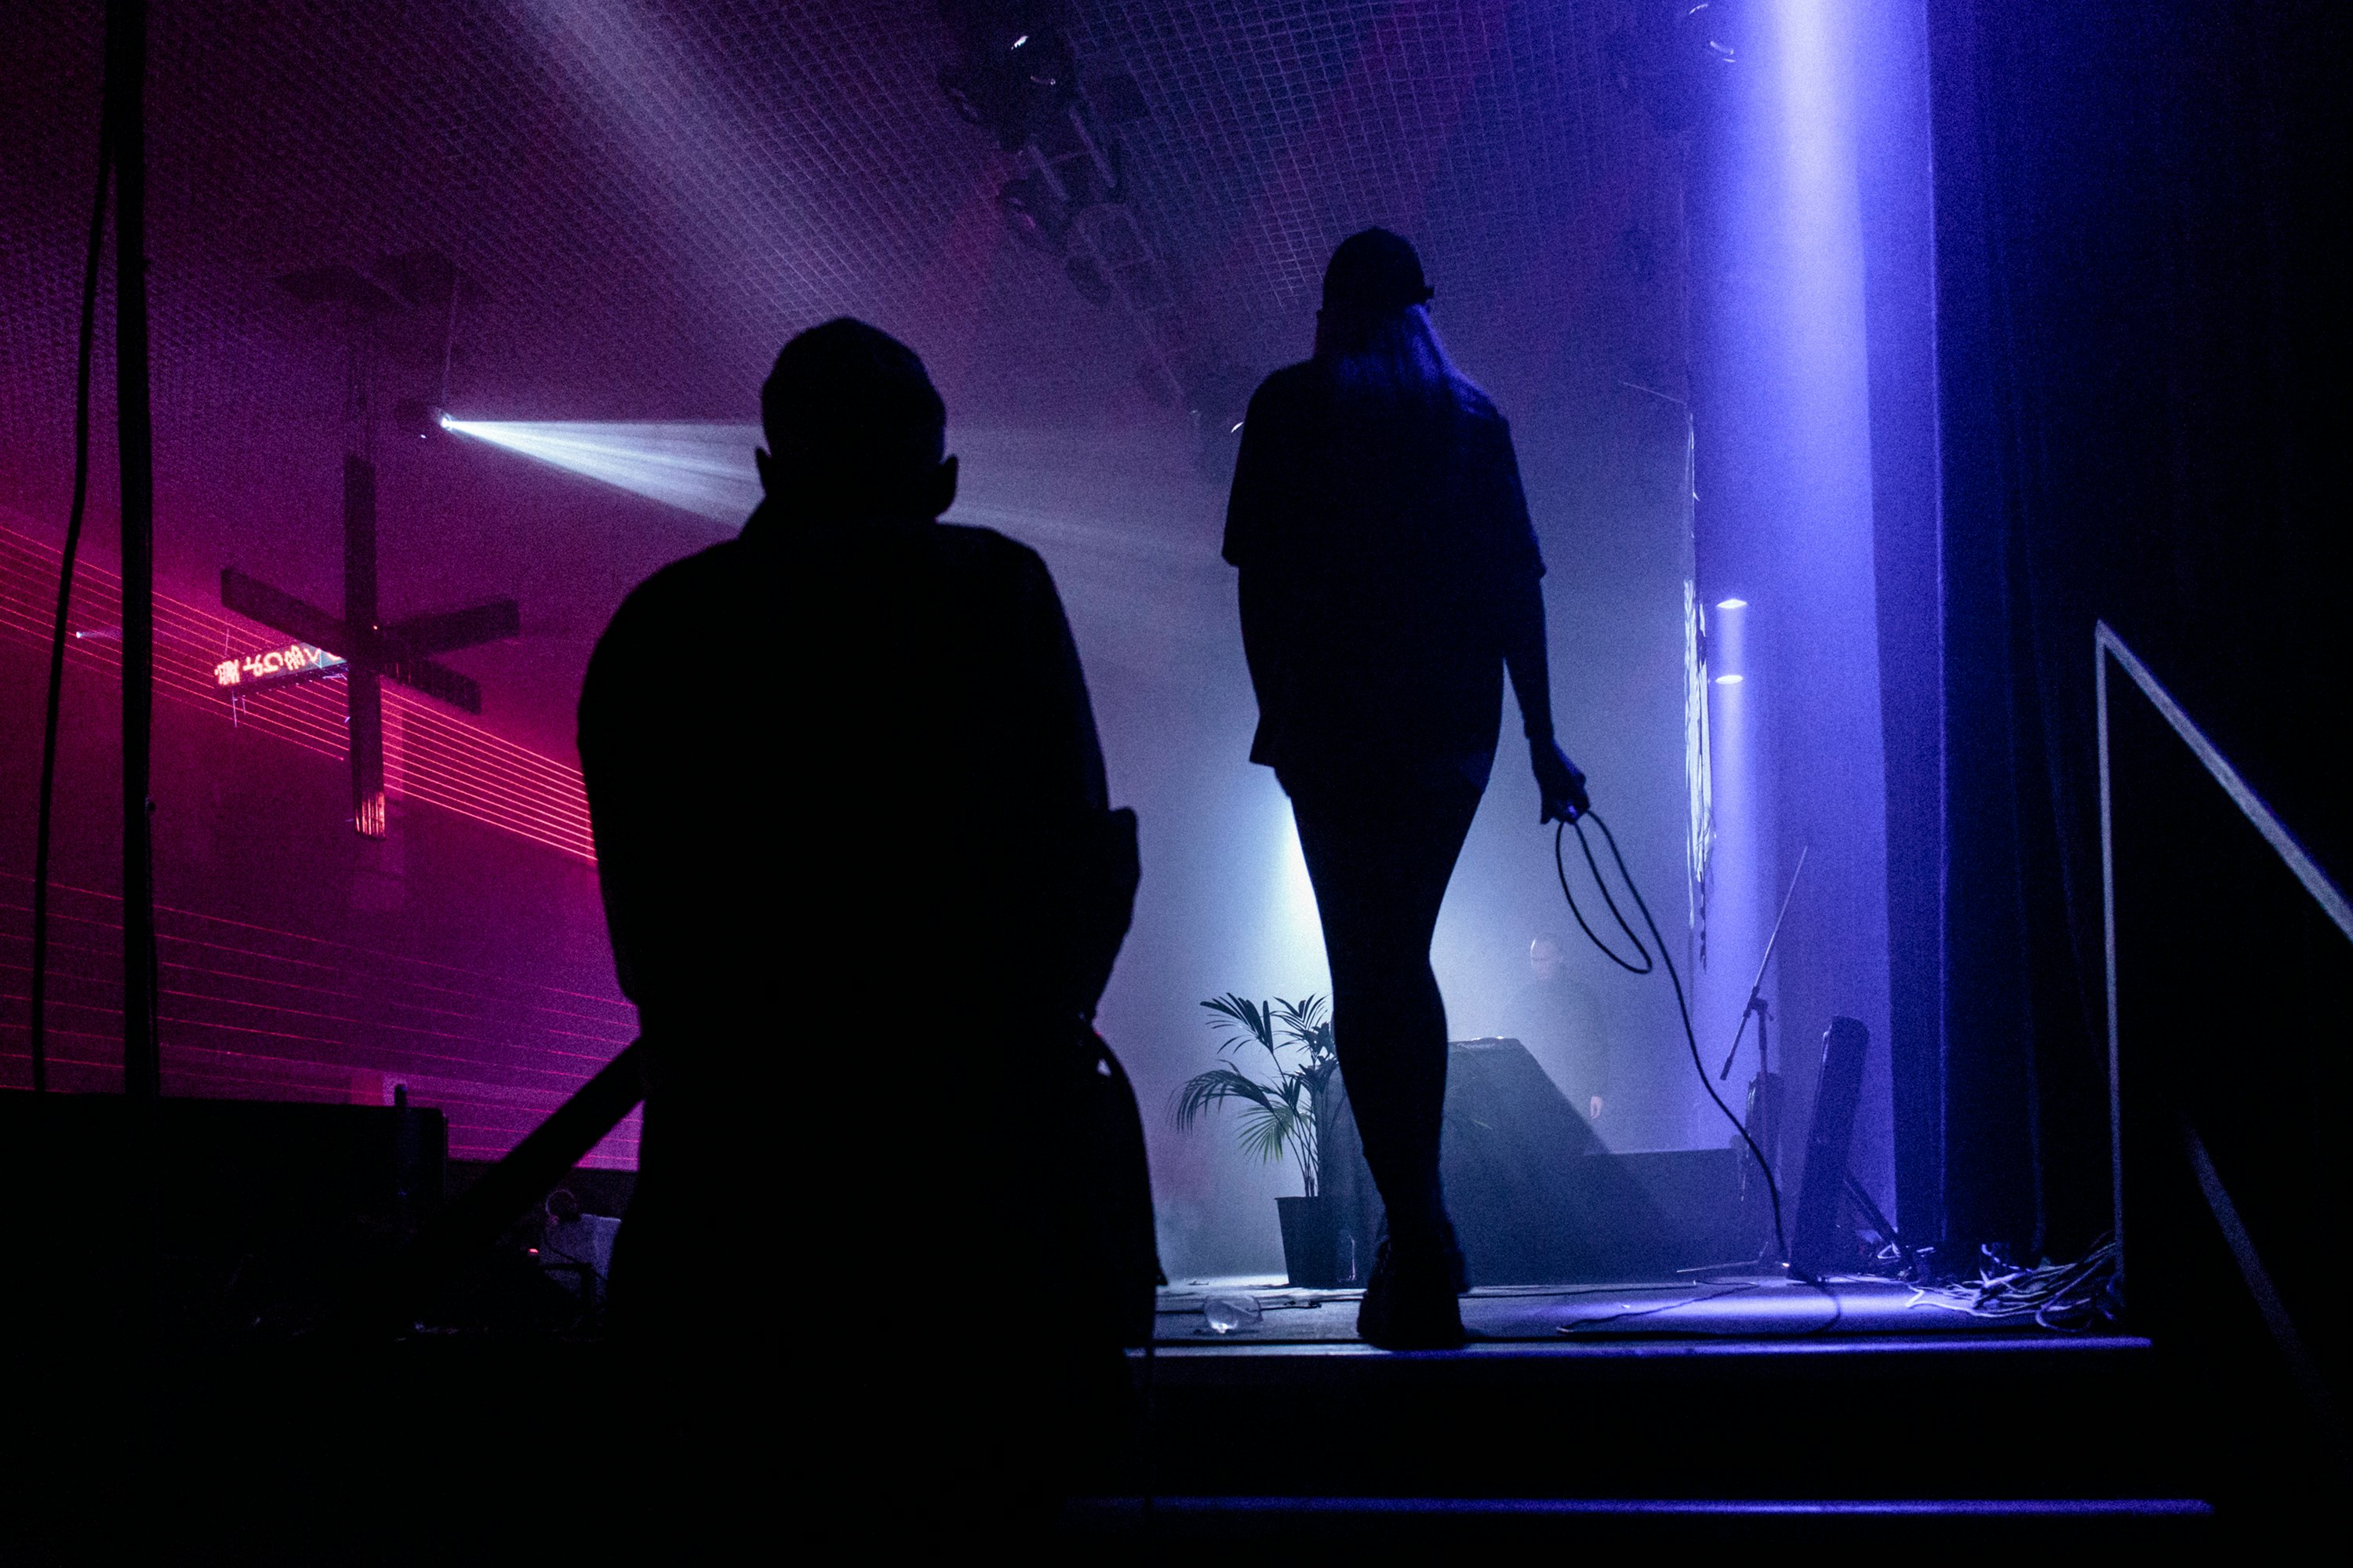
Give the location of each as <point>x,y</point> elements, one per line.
<point>2141,246</point>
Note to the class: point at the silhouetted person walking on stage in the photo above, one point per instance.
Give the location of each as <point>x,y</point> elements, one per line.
<point>817,756</point>
<point>1389,576</point>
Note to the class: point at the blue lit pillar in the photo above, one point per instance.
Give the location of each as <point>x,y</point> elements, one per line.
<point>1783,416</point>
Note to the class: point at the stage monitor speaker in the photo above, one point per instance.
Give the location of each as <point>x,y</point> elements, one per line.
<point>1538,1198</point>
<point>249,1208</point>
<point>1815,1248</point>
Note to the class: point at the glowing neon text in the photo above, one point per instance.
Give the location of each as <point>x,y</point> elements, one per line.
<point>296,659</point>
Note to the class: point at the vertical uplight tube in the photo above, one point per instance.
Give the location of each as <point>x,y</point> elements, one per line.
<point>1736,932</point>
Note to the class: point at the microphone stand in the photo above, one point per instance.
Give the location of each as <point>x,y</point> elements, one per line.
<point>1764,1119</point>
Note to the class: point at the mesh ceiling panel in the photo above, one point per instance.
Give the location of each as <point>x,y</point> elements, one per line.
<point>645,199</point>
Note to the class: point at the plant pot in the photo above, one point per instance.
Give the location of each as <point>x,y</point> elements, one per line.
<point>1310,1250</point>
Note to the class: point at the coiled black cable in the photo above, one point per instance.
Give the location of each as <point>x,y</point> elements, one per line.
<point>1683,1008</point>
<point>39,999</point>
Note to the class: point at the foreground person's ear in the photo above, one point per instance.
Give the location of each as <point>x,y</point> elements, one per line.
<point>940,486</point>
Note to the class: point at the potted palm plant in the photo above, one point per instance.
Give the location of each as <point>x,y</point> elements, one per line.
<point>1287,1110</point>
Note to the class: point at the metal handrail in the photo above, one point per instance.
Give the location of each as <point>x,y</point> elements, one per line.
<point>504,1194</point>
<point>2106,645</point>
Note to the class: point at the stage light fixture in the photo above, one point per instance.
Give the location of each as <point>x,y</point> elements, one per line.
<point>1015,73</point>
<point>422,277</point>
<point>417,420</point>
<point>1730,680</point>
<point>1732,604</point>
<point>337,283</point>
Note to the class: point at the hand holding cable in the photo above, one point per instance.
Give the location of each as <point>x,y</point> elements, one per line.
<point>1559,781</point>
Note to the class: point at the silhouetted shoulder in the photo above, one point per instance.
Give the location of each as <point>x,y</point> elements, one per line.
<point>685,579</point>
<point>1479,406</point>
<point>677,586</point>
<point>1271,481</point>
<point>986,550</point>
<point>679,593</point>
<point>1292,387</point>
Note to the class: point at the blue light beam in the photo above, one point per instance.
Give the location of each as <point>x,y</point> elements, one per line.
<point>704,468</point>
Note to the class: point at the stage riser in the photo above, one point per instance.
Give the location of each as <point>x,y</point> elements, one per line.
<point>1315,1531</point>
<point>1676,1421</point>
<point>430,1436</point>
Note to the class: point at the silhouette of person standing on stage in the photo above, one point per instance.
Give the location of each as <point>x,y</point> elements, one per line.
<point>1559,1021</point>
<point>851,734</point>
<point>1390,576</point>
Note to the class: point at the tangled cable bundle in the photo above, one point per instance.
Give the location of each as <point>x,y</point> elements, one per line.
<point>2075,1295</point>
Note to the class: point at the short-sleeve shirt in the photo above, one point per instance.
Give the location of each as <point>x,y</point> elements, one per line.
<point>813,754</point>
<point>1376,551</point>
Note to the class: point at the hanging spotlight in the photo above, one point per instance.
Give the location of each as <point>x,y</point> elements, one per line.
<point>1014,73</point>
<point>417,420</point>
<point>337,283</point>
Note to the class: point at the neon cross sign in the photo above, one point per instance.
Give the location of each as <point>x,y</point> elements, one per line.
<point>278,667</point>
<point>365,652</point>
<point>360,647</point>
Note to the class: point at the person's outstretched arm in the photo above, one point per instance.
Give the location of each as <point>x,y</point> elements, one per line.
<point>616,701</point>
<point>1083,847</point>
<point>1519,568</point>
<point>1258,501</point>
<point>1558,779</point>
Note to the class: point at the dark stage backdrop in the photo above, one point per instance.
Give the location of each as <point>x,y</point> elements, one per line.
<point>2141,233</point>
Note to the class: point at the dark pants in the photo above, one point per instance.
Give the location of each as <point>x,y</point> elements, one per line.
<point>775,1280</point>
<point>1380,859</point>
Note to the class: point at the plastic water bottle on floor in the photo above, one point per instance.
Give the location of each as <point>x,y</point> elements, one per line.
<point>1227,1313</point>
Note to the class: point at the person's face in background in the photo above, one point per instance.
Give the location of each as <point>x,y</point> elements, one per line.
<point>1544,958</point>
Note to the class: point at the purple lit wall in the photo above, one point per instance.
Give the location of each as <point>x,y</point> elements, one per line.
<point>462,956</point>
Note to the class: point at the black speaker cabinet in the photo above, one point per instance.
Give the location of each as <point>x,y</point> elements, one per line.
<point>1815,1247</point>
<point>1537,1197</point>
<point>246,1208</point>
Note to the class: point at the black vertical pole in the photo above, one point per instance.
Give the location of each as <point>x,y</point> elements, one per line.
<point>363,677</point>
<point>126,77</point>
<point>44,814</point>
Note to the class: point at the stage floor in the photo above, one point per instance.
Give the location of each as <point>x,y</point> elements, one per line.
<point>1737,1307</point>
<point>1654,1394</point>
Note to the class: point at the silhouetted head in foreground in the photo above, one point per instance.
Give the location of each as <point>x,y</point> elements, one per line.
<point>1376,271</point>
<point>855,429</point>
<point>1374,330</point>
